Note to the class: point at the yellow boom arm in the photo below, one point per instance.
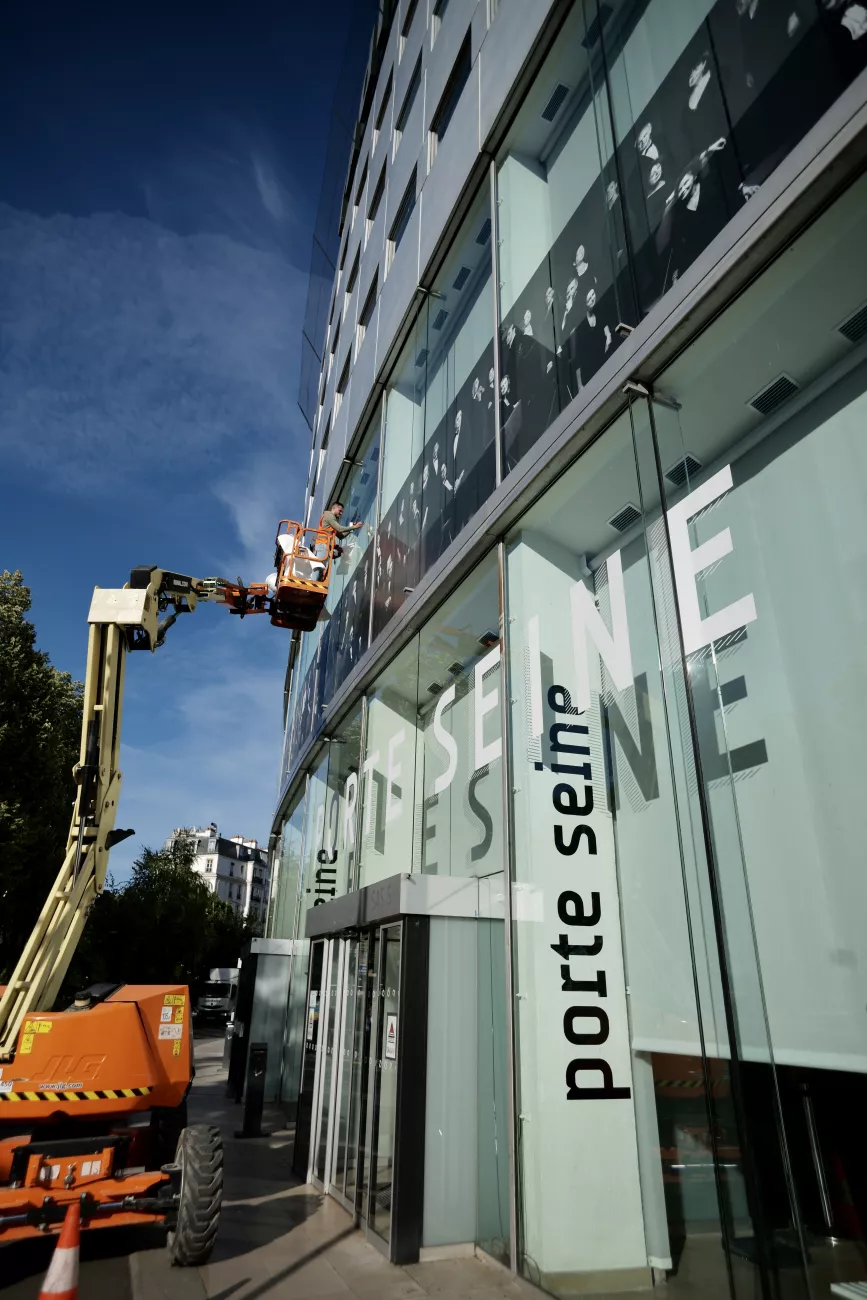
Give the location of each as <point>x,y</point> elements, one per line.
<point>120,620</point>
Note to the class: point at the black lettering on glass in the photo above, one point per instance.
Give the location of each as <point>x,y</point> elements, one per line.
<point>566,800</point>
<point>480,850</point>
<point>605,1093</point>
<point>577,916</point>
<point>572,846</point>
<point>595,1038</point>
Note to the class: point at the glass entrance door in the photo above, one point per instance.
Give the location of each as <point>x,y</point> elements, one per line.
<point>382,1086</point>
<point>327,1062</point>
<point>306,1096</point>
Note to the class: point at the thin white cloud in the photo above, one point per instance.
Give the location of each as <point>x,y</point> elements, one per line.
<point>125,347</point>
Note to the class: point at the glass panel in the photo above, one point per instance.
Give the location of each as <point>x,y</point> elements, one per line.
<point>285,886</point>
<point>440,462</point>
<point>388,770</point>
<point>304,1118</point>
<point>706,100</point>
<point>492,1232</point>
<point>564,284</point>
<point>338,856</point>
<point>768,535</point>
<point>459,792</point>
<point>328,1054</point>
<point>347,627</point>
<point>620,1138</point>
<point>346,1043</point>
<point>385,1087</point>
<point>367,1078</point>
<point>361,992</point>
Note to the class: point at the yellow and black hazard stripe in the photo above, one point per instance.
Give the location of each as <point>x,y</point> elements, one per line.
<point>111,1094</point>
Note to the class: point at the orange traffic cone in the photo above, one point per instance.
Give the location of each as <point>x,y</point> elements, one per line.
<point>61,1280</point>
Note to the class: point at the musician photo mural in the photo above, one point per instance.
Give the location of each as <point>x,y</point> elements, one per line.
<point>705,101</point>
<point>439,459</point>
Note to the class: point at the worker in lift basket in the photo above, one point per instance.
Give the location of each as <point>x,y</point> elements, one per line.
<point>331,522</point>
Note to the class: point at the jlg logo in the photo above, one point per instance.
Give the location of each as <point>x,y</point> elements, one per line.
<point>70,1067</point>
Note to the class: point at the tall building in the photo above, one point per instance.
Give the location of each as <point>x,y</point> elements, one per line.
<point>569,840</point>
<point>235,869</point>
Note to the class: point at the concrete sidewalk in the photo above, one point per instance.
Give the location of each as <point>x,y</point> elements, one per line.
<point>279,1238</point>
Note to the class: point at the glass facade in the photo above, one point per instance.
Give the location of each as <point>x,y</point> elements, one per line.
<point>620,759</point>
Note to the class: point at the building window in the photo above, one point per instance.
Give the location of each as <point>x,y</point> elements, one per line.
<point>406,25</point>
<point>401,220</point>
<point>366,314</point>
<point>341,384</point>
<point>383,107</point>
<point>360,189</point>
<point>209,865</point>
<point>454,87</point>
<point>408,102</point>
<point>231,868</point>
<point>437,15</point>
<point>375,202</point>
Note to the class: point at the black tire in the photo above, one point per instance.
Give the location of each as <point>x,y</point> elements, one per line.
<point>200,1156</point>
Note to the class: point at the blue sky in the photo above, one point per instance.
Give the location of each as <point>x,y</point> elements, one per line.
<point>157,199</point>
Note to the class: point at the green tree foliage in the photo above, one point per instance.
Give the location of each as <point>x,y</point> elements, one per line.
<point>164,926</point>
<point>40,725</point>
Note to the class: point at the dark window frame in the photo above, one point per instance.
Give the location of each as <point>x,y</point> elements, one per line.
<point>366,314</point>
<point>408,16</point>
<point>383,104</point>
<point>404,212</point>
<point>409,98</point>
<point>454,88</point>
<point>376,201</point>
<point>361,184</point>
<point>352,280</point>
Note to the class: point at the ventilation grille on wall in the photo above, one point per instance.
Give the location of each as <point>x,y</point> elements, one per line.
<point>684,470</point>
<point>434,688</point>
<point>855,327</point>
<point>555,103</point>
<point>487,639</point>
<point>773,395</point>
<point>421,358</point>
<point>461,278</point>
<point>626,516</point>
<point>485,233</point>
<point>594,31</point>
<point>456,668</point>
<point>440,318</point>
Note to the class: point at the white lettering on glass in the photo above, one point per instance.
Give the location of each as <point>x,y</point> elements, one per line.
<point>350,798</point>
<point>392,772</point>
<point>366,768</point>
<point>448,743</point>
<point>536,704</point>
<point>689,562</point>
<point>613,646</point>
<point>485,704</point>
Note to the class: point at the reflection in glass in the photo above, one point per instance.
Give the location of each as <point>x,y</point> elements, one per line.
<point>775,672</point>
<point>387,811</point>
<point>615,1121</point>
<point>458,798</point>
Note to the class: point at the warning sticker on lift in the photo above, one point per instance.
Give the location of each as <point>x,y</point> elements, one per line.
<point>37,1026</point>
<point>166,1015</point>
<point>391,1037</point>
<point>171,1031</point>
<point>5,1085</point>
<point>179,1015</point>
<point>176,1047</point>
<point>27,1044</point>
<point>175,999</point>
